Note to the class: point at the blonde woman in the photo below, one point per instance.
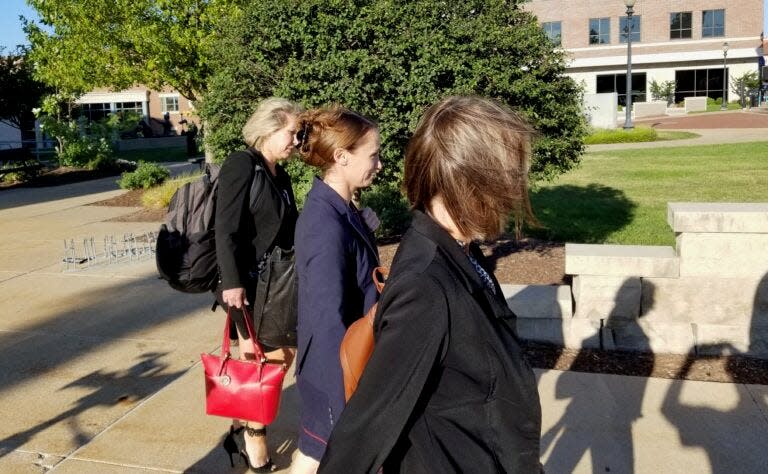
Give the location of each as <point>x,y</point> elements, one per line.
<point>255,213</point>
<point>447,388</point>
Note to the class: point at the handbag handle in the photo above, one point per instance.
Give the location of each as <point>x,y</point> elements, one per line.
<point>380,275</point>
<point>249,325</point>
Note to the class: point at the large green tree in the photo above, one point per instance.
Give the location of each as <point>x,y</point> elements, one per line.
<point>390,60</point>
<point>118,43</point>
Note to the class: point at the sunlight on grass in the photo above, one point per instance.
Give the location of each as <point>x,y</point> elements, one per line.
<point>621,196</point>
<point>159,196</point>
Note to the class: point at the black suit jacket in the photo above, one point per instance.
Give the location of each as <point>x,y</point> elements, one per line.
<point>250,210</point>
<point>447,388</point>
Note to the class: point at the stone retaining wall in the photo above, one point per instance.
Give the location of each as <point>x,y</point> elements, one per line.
<point>707,295</point>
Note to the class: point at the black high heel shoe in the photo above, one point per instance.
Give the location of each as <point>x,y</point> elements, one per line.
<point>230,443</point>
<point>268,466</point>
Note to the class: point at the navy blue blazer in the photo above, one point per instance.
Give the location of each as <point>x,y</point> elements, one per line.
<point>335,256</point>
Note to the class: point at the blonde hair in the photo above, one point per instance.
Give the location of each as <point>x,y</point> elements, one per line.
<point>270,116</point>
<point>474,153</point>
<point>321,131</point>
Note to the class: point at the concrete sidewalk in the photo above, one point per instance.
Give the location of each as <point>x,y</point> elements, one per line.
<point>100,372</point>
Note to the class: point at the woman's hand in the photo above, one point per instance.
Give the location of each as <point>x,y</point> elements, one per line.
<point>234,298</point>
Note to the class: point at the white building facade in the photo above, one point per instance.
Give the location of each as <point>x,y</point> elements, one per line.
<point>680,41</point>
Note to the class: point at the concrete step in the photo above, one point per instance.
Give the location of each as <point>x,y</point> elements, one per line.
<point>621,260</point>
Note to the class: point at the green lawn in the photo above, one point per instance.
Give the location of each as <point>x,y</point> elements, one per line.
<point>621,196</point>
<point>154,155</point>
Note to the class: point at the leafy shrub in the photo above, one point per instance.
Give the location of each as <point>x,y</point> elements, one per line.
<point>640,134</point>
<point>160,196</point>
<point>391,207</point>
<point>359,54</point>
<point>664,90</point>
<point>145,176</point>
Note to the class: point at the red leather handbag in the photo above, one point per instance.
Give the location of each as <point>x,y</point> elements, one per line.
<point>242,389</point>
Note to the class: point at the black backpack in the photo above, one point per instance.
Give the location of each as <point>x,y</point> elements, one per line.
<point>186,247</point>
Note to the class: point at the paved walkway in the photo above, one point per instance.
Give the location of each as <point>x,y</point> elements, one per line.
<point>713,128</point>
<point>100,372</point>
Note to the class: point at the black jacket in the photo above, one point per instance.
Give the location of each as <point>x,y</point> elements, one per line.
<point>447,388</point>
<point>250,211</point>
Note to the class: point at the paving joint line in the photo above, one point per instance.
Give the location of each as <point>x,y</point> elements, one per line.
<point>73,455</point>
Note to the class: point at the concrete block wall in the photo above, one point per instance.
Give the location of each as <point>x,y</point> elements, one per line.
<point>695,104</point>
<point>707,295</point>
<point>649,109</point>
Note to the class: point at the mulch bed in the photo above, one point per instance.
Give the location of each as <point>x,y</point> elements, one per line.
<point>532,261</point>
<point>58,176</point>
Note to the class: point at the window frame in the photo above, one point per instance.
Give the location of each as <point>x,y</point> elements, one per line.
<point>681,29</point>
<point>636,37</point>
<point>547,27</point>
<point>713,28</point>
<point>164,105</point>
<point>600,34</point>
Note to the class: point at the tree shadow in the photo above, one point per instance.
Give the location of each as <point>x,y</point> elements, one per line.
<point>733,439</point>
<point>582,214</point>
<point>109,388</point>
<point>615,407</point>
<point>282,439</point>
<point>24,196</point>
<point>92,321</point>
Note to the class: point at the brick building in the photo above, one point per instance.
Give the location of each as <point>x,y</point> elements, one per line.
<point>150,104</point>
<point>672,40</point>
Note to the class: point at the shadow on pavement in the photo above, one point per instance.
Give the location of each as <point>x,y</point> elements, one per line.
<point>282,439</point>
<point>91,322</point>
<point>611,448</point>
<point>720,433</point>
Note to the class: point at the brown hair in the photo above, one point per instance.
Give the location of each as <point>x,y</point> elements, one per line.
<point>321,131</point>
<point>474,153</point>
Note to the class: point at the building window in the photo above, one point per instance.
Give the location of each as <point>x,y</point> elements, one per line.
<point>553,29</point>
<point>135,107</point>
<point>170,103</point>
<point>699,82</point>
<point>680,25</point>
<point>634,23</point>
<point>94,112</point>
<point>712,23</point>
<point>599,30</point>
<point>618,83</point>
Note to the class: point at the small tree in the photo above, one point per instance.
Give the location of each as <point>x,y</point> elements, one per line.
<point>742,85</point>
<point>663,91</point>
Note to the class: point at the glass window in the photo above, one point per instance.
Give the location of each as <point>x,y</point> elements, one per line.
<point>634,23</point>
<point>553,29</point>
<point>96,111</point>
<point>618,83</point>
<point>699,82</point>
<point>129,107</point>
<point>599,30</point>
<point>170,103</point>
<point>712,23</point>
<point>680,25</point>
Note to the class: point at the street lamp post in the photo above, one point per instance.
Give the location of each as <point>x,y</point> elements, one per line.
<point>628,105</point>
<point>724,105</point>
